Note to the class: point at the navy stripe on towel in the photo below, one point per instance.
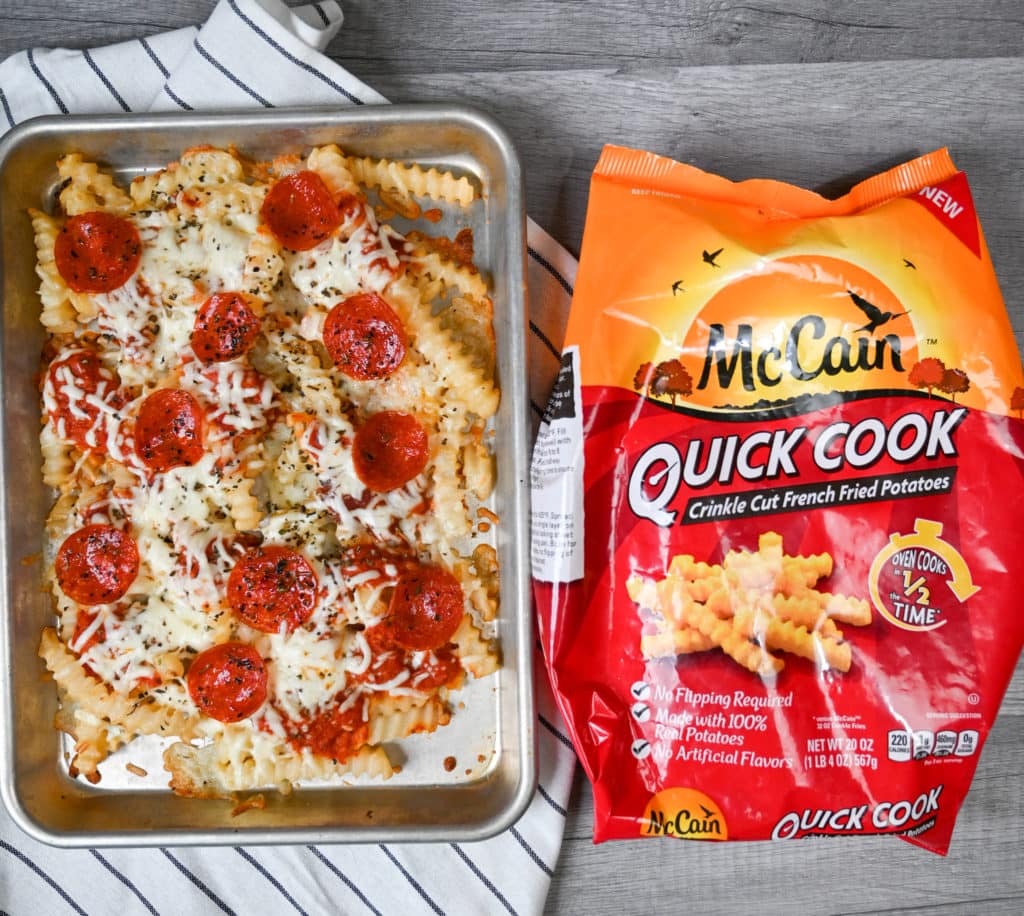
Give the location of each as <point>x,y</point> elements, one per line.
<point>484,880</point>
<point>544,340</point>
<point>181,103</point>
<point>550,800</point>
<point>17,853</point>
<point>550,268</point>
<point>337,871</point>
<point>541,864</point>
<point>103,79</point>
<point>220,903</point>
<point>125,880</point>
<point>7,108</point>
<point>152,56</point>
<point>209,58</point>
<point>415,884</point>
<point>554,731</point>
<point>49,88</point>
<point>266,874</point>
<point>298,63</point>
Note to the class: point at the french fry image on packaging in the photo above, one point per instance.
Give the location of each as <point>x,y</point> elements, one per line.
<point>752,606</point>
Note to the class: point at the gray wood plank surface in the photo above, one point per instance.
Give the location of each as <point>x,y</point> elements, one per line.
<point>827,93</point>
<point>384,37</point>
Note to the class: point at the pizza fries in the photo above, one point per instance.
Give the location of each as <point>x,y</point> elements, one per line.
<point>265,413</point>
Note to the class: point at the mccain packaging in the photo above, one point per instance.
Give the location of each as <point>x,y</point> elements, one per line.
<point>777,501</point>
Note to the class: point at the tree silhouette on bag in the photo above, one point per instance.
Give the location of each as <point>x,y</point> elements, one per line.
<point>667,379</point>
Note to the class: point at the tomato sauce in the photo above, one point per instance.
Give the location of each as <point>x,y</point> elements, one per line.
<point>334,733</point>
<point>441,668</point>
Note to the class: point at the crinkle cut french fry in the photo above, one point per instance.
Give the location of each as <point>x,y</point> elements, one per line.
<point>686,567</point>
<point>846,609</point>
<point>685,611</point>
<point>674,642</point>
<point>785,636</point>
<point>806,611</point>
<point>641,591</point>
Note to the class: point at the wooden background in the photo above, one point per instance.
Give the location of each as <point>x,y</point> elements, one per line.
<point>819,93</point>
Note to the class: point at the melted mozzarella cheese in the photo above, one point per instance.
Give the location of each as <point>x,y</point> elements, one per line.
<point>175,693</point>
<point>225,248</point>
<point>180,255</point>
<point>359,603</point>
<point>129,316</point>
<point>180,532</point>
<point>389,686</point>
<point>343,266</point>
<point>181,521</point>
<point>238,398</point>
<point>299,529</point>
<point>150,628</point>
<point>304,671</point>
<point>174,336</point>
<point>180,494</point>
<point>398,510</point>
<point>183,261</point>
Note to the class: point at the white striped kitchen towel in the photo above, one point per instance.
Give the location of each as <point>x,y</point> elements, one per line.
<point>261,53</point>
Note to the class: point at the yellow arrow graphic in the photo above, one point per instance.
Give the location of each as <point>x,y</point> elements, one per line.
<point>927,536</point>
<point>961,584</point>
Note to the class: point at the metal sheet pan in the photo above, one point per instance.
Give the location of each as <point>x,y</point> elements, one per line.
<point>492,738</point>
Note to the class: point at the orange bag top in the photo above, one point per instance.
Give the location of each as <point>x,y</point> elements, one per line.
<point>707,253</point>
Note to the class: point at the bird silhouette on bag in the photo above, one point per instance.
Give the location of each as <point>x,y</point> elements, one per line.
<point>876,317</point>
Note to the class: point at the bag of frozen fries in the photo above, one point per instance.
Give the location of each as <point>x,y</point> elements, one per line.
<point>777,500</point>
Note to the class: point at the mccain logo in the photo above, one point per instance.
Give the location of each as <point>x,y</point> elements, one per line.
<point>684,814</point>
<point>805,353</point>
<point>684,824</point>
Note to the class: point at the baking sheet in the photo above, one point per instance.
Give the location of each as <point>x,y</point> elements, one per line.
<point>491,733</point>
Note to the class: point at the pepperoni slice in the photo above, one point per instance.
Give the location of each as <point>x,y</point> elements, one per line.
<point>426,609</point>
<point>271,587</point>
<point>225,328</point>
<point>97,564</point>
<point>97,252</point>
<point>169,430</point>
<point>300,211</point>
<point>228,682</point>
<point>390,449</point>
<point>364,337</point>
<point>70,381</point>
